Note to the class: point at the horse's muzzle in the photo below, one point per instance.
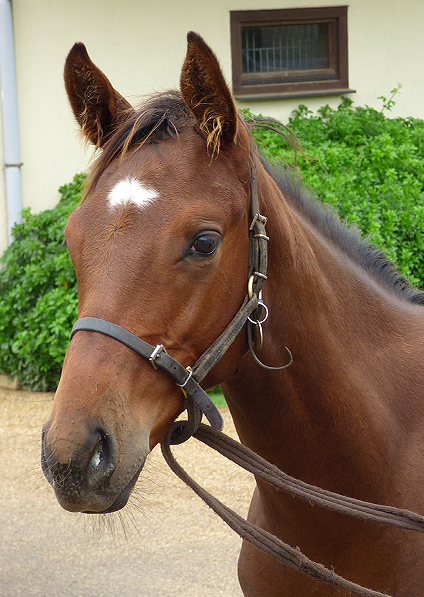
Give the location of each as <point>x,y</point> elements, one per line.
<point>82,480</point>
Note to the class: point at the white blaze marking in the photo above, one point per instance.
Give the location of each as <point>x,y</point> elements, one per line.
<point>131,190</point>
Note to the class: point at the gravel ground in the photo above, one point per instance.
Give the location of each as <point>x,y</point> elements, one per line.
<point>165,543</point>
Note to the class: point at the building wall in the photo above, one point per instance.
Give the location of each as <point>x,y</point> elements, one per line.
<point>4,233</point>
<point>140,45</point>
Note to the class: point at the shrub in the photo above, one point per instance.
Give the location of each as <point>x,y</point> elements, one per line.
<point>369,167</point>
<point>38,291</point>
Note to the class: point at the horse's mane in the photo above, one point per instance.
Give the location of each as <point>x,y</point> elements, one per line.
<point>165,114</point>
<point>345,236</point>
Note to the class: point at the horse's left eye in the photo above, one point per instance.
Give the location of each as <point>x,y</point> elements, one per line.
<point>205,243</point>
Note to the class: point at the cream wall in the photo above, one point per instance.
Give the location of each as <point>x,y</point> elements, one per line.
<point>4,233</point>
<point>140,45</point>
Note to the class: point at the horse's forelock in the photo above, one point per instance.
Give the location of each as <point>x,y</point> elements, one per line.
<point>161,117</point>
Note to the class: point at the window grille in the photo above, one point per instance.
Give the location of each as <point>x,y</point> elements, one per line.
<point>285,48</point>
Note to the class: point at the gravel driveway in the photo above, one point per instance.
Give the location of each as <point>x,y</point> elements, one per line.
<point>166,543</point>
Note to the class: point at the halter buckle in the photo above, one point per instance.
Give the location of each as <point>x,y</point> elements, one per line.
<point>190,373</point>
<point>258,218</point>
<point>155,353</point>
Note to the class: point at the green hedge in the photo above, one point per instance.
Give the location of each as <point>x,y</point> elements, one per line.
<point>38,291</point>
<point>368,166</point>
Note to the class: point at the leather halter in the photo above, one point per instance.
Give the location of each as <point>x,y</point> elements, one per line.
<point>249,314</point>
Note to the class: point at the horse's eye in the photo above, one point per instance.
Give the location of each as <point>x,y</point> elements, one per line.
<point>205,243</point>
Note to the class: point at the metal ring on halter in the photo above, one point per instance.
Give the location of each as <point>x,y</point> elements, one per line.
<point>190,373</point>
<point>250,287</point>
<point>265,317</point>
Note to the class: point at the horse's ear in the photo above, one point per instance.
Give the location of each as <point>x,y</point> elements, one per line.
<point>206,93</point>
<point>97,106</point>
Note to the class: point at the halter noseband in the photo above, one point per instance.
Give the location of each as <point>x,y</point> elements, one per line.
<point>196,399</point>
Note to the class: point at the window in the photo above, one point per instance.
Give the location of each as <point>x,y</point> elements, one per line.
<point>290,52</point>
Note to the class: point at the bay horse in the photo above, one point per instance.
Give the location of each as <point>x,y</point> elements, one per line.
<point>161,248</point>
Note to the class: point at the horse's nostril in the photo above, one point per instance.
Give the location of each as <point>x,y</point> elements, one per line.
<point>98,457</point>
<point>103,459</point>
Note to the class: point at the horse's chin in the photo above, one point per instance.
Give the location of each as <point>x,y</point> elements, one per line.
<point>120,502</point>
<point>102,502</point>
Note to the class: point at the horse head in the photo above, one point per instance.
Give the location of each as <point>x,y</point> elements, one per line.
<point>160,246</point>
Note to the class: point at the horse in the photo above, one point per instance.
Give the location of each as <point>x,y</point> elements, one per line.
<point>161,248</point>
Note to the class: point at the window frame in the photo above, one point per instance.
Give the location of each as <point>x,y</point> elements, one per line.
<point>331,81</point>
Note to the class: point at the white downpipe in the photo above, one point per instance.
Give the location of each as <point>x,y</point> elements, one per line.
<point>9,98</point>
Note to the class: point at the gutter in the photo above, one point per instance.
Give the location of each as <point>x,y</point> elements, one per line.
<point>9,99</point>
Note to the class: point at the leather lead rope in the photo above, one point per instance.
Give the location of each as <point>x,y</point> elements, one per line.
<point>269,543</point>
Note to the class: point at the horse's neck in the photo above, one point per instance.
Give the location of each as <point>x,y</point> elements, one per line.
<point>336,402</point>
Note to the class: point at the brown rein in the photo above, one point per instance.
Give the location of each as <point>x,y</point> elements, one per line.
<point>252,462</point>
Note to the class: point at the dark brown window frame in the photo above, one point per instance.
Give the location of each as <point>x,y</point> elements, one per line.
<point>331,81</point>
